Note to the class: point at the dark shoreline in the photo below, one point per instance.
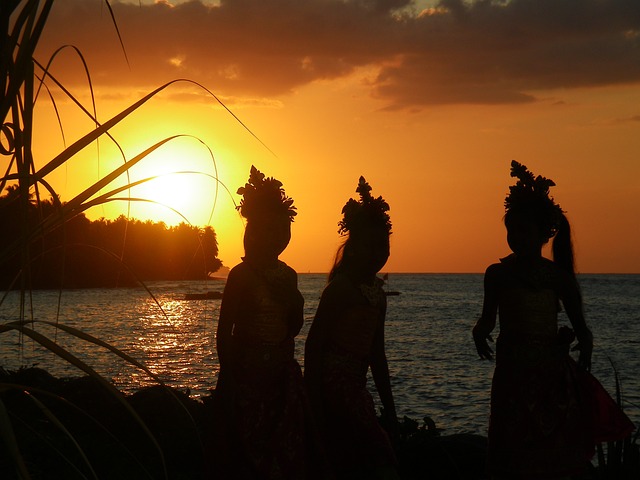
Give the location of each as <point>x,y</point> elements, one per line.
<point>118,447</point>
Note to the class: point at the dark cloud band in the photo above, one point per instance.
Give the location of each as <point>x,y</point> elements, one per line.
<point>483,52</point>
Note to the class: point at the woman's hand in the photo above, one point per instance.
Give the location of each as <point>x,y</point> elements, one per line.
<point>584,357</point>
<point>483,348</point>
<point>389,421</point>
<point>487,321</point>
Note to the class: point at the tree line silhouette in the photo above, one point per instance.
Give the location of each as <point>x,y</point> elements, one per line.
<point>100,253</point>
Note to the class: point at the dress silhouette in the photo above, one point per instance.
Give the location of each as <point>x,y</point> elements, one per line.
<point>346,339</point>
<point>263,412</point>
<point>547,411</point>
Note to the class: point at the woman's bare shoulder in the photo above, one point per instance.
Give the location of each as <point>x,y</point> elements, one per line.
<point>496,270</point>
<point>289,272</point>
<point>240,277</point>
<point>239,271</point>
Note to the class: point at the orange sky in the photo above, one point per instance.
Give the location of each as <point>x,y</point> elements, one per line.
<point>429,101</point>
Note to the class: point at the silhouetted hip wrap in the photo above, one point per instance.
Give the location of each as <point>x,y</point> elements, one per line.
<point>546,413</point>
<point>354,435</point>
<point>265,412</point>
<point>537,424</point>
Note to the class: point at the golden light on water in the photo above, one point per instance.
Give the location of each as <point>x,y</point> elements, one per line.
<point>177,342</point>
<point>425,352</point>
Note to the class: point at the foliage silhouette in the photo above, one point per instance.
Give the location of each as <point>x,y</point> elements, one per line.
<point>93,253</point>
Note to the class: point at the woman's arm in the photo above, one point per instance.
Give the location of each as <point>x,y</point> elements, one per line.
<point>229,313</point>
<point>296,316</point>
<point>487,321</point>
<point>572,301</point>
<point>314,347</point>
<point>381,378</point>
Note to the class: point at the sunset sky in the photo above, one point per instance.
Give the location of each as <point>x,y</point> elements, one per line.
<point>428,100</point>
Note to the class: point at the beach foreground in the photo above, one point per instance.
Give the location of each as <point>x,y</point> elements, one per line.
<point>73,428</point>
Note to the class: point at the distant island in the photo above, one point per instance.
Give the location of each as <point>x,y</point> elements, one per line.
<point>99,253</point>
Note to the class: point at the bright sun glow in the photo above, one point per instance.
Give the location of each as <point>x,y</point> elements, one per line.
<point>180,187</point>
<point>177,191</point>
<point>181,177</point>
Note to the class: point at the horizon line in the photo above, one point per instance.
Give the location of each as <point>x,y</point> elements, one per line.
<point>463,273</point>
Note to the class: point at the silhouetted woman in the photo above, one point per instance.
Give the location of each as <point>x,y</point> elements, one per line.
<point>346,338</point>
<point>543,406</point>
<point>260,389</point>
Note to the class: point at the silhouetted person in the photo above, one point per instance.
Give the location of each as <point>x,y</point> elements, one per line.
<point>346,338</point>
<point>260,392</point>
<point>542,421</point>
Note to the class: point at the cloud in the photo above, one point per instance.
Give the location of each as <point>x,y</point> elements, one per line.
<point>631,119</point>
<point>480,52</point>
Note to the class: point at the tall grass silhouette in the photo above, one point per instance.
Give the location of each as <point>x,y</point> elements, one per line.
<point>23,404</point>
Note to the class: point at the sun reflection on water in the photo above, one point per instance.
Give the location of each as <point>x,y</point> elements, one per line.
<point>176,343</point>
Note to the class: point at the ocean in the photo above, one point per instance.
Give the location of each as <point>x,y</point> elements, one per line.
<point>434,367</point>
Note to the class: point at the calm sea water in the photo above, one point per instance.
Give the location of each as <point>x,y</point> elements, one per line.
<point>435,369</point>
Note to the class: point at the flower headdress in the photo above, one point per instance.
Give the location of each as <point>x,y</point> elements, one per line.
<point>368,211</point>
<point>531,194</point>
<point>263,196</point>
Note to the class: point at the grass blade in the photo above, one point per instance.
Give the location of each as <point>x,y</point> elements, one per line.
<point>82,412</point>
<point>11,443</point>
<point>96,341</point>
<point>53,419</point>
<point>78,363</point>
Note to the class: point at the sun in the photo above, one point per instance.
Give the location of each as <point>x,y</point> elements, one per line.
<point>182,195</point>
<point>178,184</point>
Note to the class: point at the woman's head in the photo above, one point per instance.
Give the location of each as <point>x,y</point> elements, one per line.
<point>367,251</point>
<point>532,218</point>
<point>529,199</point>
<point>366,213</point>
<point>367,226</point>
<point>269,213</point>
<point>526,234</point>
<point>267,236</point>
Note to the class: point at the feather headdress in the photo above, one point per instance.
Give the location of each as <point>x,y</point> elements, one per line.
<point>264,196</point>
<point>531,194</point>
<point>366,212</point>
